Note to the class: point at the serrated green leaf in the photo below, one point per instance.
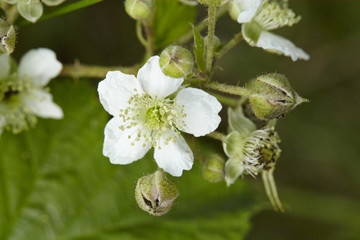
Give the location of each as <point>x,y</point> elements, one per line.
<point>55,184</point>
<point>171,20</point>
<point>199,50</point>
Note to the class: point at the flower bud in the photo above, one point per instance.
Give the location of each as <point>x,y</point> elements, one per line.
<point>139,9</point>
<point>7,37</point>
<point>213,170</point>
<point>271,96</point>
<point>155,193</point>
<point>176,62</point>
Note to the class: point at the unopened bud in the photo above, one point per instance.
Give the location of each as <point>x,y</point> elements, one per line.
<point>155,193</point>
<point>139,9</point>
<point>176,62</point>
<point>213,170</point>
<point>7,37</point>
<point>272,96</point>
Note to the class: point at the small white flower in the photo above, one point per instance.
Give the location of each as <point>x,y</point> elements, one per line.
<point>259,17</point>
<point>145,116</point>
<point>22,93</point>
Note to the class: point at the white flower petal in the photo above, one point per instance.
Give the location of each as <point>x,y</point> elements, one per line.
<point>247,9</point>
<point>117,145</point>
<point>116,89</point>
<point>174,157</point>
<point>41,104</point>
<point>154,81</point>
<point>273,42</point>
<point>201,111</point>
<point>40,65</point>
<point>4,66</point>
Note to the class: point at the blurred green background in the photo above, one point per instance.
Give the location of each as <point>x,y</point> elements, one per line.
<point>55,184</point>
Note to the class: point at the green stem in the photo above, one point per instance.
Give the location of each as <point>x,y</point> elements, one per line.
<point>78,70</point>
<point>140,35</point>
<point>211,33</point>
<point>232,43</point>
<point>226,100</point>
<point>234,90</point>
<point>200,27</point>
<point>216,135</point>
<point>150,41</point>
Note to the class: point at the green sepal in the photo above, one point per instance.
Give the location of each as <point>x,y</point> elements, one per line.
<point>238,122</point>
<point>199,50</point>
<point>233,170</point>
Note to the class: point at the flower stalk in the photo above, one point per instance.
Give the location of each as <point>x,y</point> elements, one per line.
<point>211,33</point>
<point>229,45</point>
<point>78,70</point>
<point>234,90</point>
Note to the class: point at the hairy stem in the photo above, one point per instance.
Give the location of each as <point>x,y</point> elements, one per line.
<point>217,136</point>
<point>211,33</point>
<point>226,100</point>
<point>78,70</point>
<point>229,45</point>
<point>234,90</point>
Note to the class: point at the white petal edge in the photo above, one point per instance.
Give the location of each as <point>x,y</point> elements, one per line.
<point>117,146</point>
<point>273,42</point>
<point>174,157</point>
<point>116,89</point>
<point>154,81</point>
<point>201,111</point>
<point>247,9</point>
<point>40,65</point>
<point>41,104</point>
<point>4,66</point>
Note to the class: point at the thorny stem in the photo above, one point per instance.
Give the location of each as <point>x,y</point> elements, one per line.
<point>211,32</point>
<point>200,27</point>
<point>234,90</point>
<point>78,70</point>
<point>229,45</point>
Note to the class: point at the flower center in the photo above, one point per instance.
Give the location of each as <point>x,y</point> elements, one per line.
<point>273,15</point>
<point>261,151</point>
<point>156,116</point>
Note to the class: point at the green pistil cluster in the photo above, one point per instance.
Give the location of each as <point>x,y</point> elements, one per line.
<point>155,115</point>
<point>18,117</point>
<point>261,151</point>
<point>273,15</point>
